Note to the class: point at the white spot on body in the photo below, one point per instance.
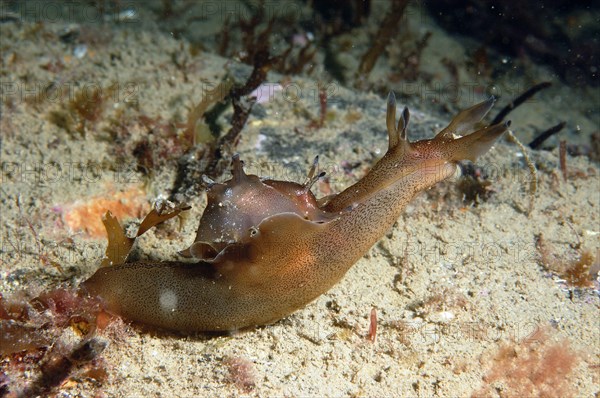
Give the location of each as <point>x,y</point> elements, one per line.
<point>168,300</point>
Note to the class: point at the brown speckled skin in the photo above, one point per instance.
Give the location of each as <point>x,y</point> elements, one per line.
<point>268,269</point>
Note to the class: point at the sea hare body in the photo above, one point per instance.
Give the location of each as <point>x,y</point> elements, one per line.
<point>265,248</point>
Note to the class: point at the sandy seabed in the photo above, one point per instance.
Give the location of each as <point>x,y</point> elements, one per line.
<point>465,304</point>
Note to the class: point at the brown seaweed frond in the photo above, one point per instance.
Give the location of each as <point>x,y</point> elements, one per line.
<point>317,124</point>
<point>408,66</point>
<point>84,110</point>
<point>519,100</point>
<point>474,185</point>
<point>387,29</point>
<point>578,268</point>
<point>512,138</point>
<point>530,165</point>
<point>224,37</point>
<point>295,65</point>
<point>197,112</point>
<point>215,157</point>
<point>336,17</point>
<point>544,135</point>
<point>120,245</point>
<point>242,103</point>
<point>254,42</point>
<point>251,41</point>
<point>562,157</point>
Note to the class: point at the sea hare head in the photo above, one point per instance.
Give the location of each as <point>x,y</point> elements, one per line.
<point>236,207</point>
